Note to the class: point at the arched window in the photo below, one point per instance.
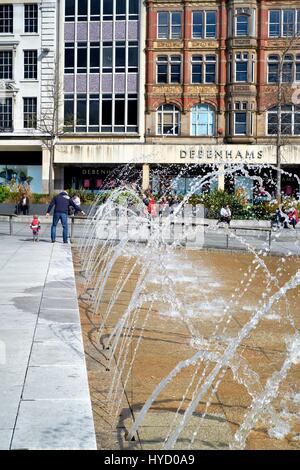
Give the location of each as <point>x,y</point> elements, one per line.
<point>290,120</point>
<point>168,120</point>
<point>203,120</point>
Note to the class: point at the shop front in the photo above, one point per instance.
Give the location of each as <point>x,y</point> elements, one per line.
<point>177,168</point>
<point>21,168</point>
<point>97,178</point>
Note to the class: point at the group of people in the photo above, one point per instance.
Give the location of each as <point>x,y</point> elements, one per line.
<point>64,206</point>
<point>286,218</point>
<point>160,207</point>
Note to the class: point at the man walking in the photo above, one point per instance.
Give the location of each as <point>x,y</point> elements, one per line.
<point>61,204</point>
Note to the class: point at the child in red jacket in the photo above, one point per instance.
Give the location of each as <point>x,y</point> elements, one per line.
<point>35,227</point>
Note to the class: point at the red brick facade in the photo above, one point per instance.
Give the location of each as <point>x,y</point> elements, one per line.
<point>222,95</point>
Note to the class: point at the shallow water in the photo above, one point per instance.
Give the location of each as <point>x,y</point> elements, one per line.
<point>213,295</point>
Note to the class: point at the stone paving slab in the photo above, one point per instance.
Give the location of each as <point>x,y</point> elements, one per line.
<point>59,382</point>
<point>44,396</point>
<point>54,424</point>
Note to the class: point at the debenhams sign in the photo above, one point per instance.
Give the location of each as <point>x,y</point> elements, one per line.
<point>230,153</point>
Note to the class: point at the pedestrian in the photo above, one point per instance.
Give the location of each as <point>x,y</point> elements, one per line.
<point>152,206</point>
<point>61,204</point>
<point>225,215</point>
<point>35,227</point>
<point>281,217</point>
<point>163,204</point>
<point>293,217</point>
<point>24,204</point>
<point>76,200</point>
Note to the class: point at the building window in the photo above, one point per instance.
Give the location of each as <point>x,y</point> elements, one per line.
<point>241,67</point>
<point>6,18</point>
<point>169,24</point>
<point>69,57</point>
<point>290,120</point>
<point>204,24</point>
<point>30,113</point>
<point>6,114</point>
<point>31,18</point>
<point>69,112</point>
<point>284,23</point>
<point>240,118</point>
<point>168,69</point>
<point>204,69</point>
<point>101,113</point>
<point>289,67</point>
<point>82,57</point>
<point>70,10</point>
<point>242,24</point>
<point>82,10</point>
<point>273,69</point>
<point>203,120</point>
<point>168,120</point>
<point>6,69</point>
<point>30,65</point>
<point>95,57</point>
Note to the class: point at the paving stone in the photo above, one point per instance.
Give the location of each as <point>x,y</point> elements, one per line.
<point>56,382</point>
<point>54,424</point>
<point>5,438</point>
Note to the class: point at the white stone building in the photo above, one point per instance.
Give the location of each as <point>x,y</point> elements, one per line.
<point>27,65</point>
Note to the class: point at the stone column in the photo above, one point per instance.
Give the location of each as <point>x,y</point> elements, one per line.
<point>146,176</point>
<point>45,170</point>
<point>221,179</point>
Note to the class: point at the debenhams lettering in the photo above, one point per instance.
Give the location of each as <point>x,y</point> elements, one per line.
<point>220,154</point>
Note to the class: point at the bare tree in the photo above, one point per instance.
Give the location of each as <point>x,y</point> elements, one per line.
<point>283,91</point>
<point>48,124</point>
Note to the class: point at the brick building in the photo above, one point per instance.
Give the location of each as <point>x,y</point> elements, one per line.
<point>212,73</point>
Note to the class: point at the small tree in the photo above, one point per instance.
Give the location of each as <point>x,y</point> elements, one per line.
<point>49,124</point>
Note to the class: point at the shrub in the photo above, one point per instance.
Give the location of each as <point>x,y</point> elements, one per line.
<point>4,193</point>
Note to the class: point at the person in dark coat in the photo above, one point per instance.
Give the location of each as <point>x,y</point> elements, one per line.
<point>61,204</point>
<point>24,205</point>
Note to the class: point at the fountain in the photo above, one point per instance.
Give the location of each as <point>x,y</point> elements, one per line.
<point>143,272</point>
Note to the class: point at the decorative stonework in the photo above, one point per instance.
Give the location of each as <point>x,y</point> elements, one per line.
<point>167,44</point>
<point>202,45</point>
<point>202,89</point>
<point>170,90</point>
